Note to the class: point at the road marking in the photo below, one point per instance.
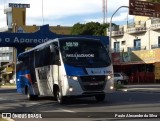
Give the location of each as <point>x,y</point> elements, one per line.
<point>2,98</point>
<point>33,103</point>
<point>77,105</point>
<point>70,111</point>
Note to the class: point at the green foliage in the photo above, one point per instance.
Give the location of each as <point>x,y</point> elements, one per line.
<point>1,68</point>
<point>77,29</point>
<point>91,28</point>
<point>118,86</point>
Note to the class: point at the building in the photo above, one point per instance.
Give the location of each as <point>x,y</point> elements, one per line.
<point>16,23</point>
<point>136,48</point>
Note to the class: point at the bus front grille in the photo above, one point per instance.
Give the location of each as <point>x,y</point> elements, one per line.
<point>92,83</point>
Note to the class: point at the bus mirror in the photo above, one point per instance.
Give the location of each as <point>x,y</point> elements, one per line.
<point>107,49</point>
<point>52,49</point>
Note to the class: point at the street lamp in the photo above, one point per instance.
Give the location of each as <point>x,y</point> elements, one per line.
<point>110,25</point>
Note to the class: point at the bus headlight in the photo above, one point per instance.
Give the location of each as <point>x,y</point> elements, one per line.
<point>111,87</point>
<point>71,89</point>
<point>109,77</point>
<point>73,77</point>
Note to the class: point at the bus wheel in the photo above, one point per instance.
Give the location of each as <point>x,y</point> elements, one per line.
<point>59,97</point>
<point>100,98</point>
<point>29,96</point>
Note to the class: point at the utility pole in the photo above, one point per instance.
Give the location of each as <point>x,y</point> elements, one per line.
<point>42,14</point>
<point>104,10</point>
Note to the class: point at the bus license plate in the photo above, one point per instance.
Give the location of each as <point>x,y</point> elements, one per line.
<point>94,83</point>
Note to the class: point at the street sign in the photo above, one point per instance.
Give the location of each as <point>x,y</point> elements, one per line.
<point>144,8</point>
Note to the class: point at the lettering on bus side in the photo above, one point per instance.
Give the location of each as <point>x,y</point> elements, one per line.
<point>42,74</point>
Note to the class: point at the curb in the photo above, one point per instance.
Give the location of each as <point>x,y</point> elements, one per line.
<point>140,90</point>
<point>11,87</point>
<point>8,119</point>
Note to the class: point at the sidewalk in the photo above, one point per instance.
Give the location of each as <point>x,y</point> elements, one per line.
<point>153,88</point>
<point>8,86</point>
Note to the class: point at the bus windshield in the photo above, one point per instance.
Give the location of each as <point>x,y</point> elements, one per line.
<point>84,53</point>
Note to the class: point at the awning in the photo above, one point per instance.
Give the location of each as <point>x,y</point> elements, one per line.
<point>131,63</point>
<point>9,63</point>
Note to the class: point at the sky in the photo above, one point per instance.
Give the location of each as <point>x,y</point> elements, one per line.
<point>69,12</point>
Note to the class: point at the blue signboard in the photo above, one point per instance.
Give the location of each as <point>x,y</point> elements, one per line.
<point>23,40</point>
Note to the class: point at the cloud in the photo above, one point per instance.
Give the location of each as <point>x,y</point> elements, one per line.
<point>63,12</point>
<point>115,4</point>
<point>59,9</point>
<point>121,17</point>
<point>56,10</point>
<point>2,19</point>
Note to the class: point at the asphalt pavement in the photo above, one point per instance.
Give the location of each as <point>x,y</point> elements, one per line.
<point>131,87</point>
<point>150,88</point>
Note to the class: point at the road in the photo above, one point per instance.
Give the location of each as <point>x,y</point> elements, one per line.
<point>84,108</point>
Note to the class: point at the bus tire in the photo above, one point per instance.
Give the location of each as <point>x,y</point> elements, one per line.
<point>29,96</point>
<point>60,99</point>
<point>100,97</point>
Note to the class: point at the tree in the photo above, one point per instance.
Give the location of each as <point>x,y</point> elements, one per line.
<point>90,28</point>
<point>1,69</point>
<point>77,29</point>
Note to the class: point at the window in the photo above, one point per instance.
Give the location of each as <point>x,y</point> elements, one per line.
<point>137,44</point>
<point>47,56</point>
<point>54,54</point>
<point>84,53</point>
<point>116,47</point>
<point>42,57</point>
<point>116,75</point>
<point>159,41</point>
<point>123,42</point>
<point>24,17</point>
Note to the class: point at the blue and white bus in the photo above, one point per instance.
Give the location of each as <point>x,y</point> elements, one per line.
<point>65,67</point>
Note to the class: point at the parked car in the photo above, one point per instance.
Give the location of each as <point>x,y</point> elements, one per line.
<point>12,81</point>
<point>120,78</point>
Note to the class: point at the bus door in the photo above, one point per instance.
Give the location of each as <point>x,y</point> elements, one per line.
<point>43,71</point>
<point>55,62</point>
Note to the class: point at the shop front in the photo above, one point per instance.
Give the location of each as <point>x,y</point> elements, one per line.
<point>138,65</point>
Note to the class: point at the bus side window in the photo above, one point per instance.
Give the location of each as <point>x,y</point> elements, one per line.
<point>47,56</point>
<point>42,58</point>
<point>54,54</point>
<point>38,58</point>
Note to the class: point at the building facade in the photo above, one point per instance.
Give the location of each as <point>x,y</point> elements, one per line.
<point>136,48</point>
<point>140,35</point>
